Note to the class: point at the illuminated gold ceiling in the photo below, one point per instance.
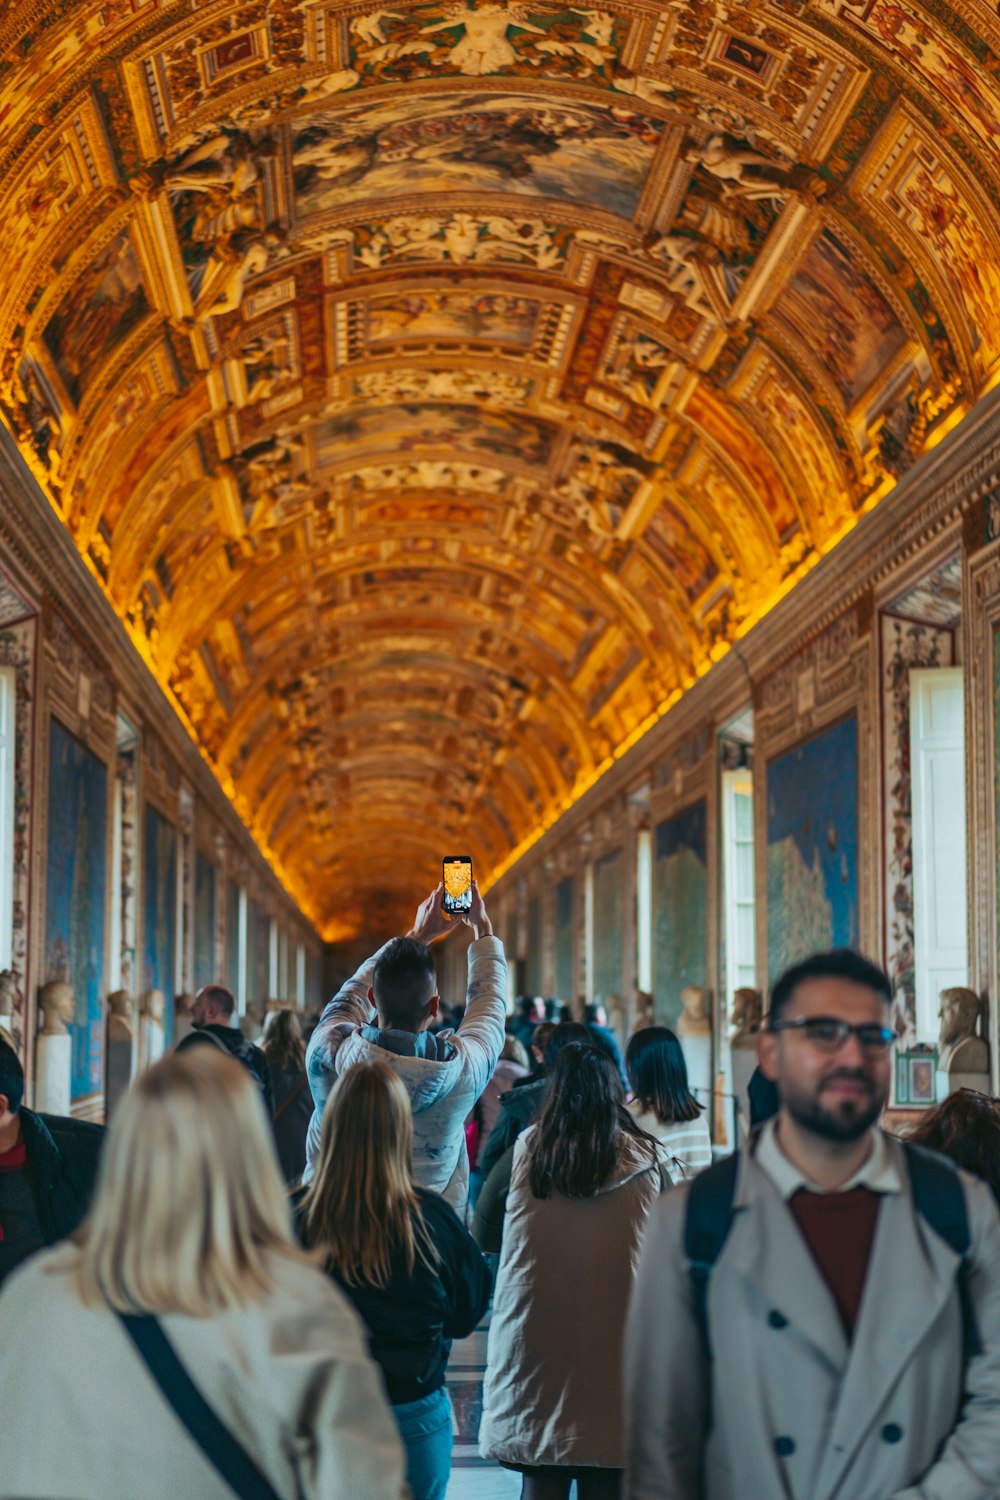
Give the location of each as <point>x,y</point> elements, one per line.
<point>438,390</point>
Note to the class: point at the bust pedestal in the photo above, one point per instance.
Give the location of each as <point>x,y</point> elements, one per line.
<point>743,1061</point>
<point>950,1083</point>
<point>698,1056</point>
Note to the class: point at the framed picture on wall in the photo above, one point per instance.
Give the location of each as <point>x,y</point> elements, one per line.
<point>915,1072</point>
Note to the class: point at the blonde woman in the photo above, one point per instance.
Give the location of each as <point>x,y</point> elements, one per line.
<point>400,1253</point>
<point>188,1244</point>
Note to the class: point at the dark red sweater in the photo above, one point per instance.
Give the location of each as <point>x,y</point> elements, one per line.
<point>839,1229</point>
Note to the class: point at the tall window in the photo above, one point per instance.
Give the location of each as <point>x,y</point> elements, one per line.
<point>737,832</point>
<point>937,760</point>
<point>644,910</point>
<point>8,689</point>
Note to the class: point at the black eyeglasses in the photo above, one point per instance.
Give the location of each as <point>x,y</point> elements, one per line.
<point>827,1034</point>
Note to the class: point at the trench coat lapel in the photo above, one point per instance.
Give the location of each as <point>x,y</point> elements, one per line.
<point>767,1249</point>
<point>911,1275</point>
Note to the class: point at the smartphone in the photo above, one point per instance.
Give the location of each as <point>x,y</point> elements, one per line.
<point>456,873</point>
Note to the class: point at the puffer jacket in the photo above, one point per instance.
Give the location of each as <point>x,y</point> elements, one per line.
<point>444,1073</point>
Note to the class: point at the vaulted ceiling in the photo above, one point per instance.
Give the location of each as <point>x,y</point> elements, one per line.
<point>437,390</point>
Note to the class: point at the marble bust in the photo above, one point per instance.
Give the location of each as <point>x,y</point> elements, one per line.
<point>745,1016</point>
<point>58,1004</point>
<point>960,1049</point>
<point>694,1017</point>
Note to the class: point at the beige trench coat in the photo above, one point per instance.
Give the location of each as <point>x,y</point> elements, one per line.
<point>797,1413</point>
<point>554,1357</point>
<point>81,1418</point>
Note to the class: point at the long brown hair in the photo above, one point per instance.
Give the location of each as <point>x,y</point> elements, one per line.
<point>283,1040</point>
<point>966,1127</point>
<point>362,1206</point>
<point>575,1147</point>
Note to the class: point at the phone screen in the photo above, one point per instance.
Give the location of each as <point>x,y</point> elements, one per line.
<point>456,872</point>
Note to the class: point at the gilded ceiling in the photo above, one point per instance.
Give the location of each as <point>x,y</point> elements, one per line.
<point>437,390</point>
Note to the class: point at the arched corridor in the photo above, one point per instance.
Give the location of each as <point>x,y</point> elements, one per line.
<point>566,438</point>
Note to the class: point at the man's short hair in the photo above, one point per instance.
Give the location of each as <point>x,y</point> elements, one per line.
<point>590,1014</point>
<point>220,997</point>
<point>403,982</point>
<point>840,963</point>
<point>11,1076</point>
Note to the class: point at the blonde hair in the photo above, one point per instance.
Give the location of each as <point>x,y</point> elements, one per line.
<point>362,1205</point>
<point>189,1201</point>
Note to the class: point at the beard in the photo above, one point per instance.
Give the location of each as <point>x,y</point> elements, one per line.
<point>846,1121</point>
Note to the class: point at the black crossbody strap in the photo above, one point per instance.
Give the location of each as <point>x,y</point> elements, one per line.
<point>211,1434</point>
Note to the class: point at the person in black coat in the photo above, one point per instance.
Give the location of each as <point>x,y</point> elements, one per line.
<point>401,1255</point>
<point>211,1016</point>
<point>285,1050</point>
<point>48,1168</point>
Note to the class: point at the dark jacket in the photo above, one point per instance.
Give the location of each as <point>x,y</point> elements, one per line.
<point>412,1321</point>
<point>293,1108</point>
<point>61,1159</point>
<point>605,1039</point>
<point>235,1043</point>
<point>518,1107</point>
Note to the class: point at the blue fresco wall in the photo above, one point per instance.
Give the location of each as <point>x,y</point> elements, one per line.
<point>159,862</point>
<point>812,847</point>
<point>609,925</point>
<point>75,891</point>
<point>204,922</point>
<point>680,905</point>
<point>564,939</point>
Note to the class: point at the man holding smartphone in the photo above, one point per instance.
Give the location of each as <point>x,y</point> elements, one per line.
<point>386,1010</point>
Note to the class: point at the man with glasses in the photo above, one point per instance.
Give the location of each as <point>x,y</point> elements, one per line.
<point>818,1318</point>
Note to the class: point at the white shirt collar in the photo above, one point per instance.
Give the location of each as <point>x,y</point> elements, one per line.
<point>878,1171</point>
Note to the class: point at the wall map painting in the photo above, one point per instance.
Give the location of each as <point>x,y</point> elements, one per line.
<point>812,847</point>
<point>75,890</point>
<point>680,907</point>
<point>609,925</point>
<point>564,938</point>
<point>160,910</point>
<point>204,922</point>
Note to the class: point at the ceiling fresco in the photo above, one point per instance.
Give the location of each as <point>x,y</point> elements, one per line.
<point>437,390</point>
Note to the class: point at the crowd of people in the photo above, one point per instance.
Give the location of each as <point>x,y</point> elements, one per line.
<point>250,1283</point>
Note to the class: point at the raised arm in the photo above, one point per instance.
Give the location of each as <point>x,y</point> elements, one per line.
<point>482,1027</point>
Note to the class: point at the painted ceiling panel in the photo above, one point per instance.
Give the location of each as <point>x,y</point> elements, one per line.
<point>436,391</point>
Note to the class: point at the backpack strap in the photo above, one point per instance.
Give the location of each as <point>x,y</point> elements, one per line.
<point>230,1460</point>
<point>940,1200</point>
<point>708,1219</point>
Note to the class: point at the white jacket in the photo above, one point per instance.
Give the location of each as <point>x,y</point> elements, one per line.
<point>444,1073</point>
<point>292,1379</point>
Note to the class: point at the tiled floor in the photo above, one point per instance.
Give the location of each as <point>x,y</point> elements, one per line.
<point>471,1477</point>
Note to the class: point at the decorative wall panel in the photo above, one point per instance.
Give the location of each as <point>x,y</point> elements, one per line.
<point>75,897</point>
<point>18,649</point>
<point>259,955</point>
